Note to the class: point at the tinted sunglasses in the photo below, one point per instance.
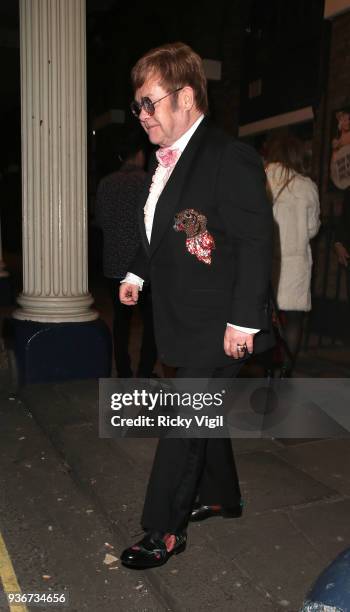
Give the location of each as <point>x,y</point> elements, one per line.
<point>147,105</point>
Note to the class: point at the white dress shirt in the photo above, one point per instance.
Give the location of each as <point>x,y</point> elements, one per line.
<point>159,180</point>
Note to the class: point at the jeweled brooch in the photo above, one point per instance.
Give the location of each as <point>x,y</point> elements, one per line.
<point>198,240</point>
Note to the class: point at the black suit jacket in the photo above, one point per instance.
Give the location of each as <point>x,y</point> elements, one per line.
<point>192,301</point>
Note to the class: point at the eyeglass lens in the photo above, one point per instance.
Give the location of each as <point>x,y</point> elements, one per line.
<point>147,104</point>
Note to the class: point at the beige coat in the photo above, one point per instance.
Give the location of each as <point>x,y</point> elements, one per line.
<point>296,213</point>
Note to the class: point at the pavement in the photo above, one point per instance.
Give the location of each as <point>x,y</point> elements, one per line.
<point>71,502</point>
<point>80,499</point>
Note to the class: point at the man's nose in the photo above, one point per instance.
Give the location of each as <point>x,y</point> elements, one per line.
<point>144,115</point>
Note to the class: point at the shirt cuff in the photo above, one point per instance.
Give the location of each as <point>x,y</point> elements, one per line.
<point>246,330</point>
<point>133,279</point>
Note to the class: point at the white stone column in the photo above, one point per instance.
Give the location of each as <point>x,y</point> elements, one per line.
<point>54,182</point>
<point>3,271</point>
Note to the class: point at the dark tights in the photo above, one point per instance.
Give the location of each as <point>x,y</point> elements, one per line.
<point>292,322</point>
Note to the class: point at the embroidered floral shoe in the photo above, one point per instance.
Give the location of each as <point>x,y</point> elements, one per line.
<point>153,550</point>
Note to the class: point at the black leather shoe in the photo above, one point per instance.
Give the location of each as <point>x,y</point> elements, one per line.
<point>152,550</point>
<point>200,513</point>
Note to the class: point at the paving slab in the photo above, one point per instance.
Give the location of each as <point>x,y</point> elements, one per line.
<point>326,461</point>
<point>273,552</point>
<point>223,585</point>
<point>326,526</point>
<point>116,482</point>
<point>268,482</point>
<point>63,403</point>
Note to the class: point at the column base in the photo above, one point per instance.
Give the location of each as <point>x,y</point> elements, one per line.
<point>6,291</point>
<point>55,352</point>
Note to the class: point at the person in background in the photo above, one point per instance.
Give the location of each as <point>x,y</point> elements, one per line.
<point>343,135</point>
<point>296,211</point>
<point>342,239</point>
<point>116,215</point>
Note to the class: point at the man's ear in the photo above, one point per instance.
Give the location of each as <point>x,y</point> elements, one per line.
<point>187,97</point>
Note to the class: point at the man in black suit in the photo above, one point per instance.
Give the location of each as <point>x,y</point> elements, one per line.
<point>206,231</point>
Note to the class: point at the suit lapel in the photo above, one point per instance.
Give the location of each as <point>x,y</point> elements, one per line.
<point>171,193</point>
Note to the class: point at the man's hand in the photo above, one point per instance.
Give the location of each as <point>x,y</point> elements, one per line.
<point>128,294</point>
<point>342,253</point>
<point>235,341</point>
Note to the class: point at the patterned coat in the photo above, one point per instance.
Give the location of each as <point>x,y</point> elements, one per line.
<point>116,215</point>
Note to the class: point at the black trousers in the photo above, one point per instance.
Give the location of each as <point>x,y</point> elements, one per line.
<point>121,334</point>
<point>188,468</point>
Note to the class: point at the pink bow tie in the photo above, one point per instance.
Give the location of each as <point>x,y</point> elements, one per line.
<point>167,157</point>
